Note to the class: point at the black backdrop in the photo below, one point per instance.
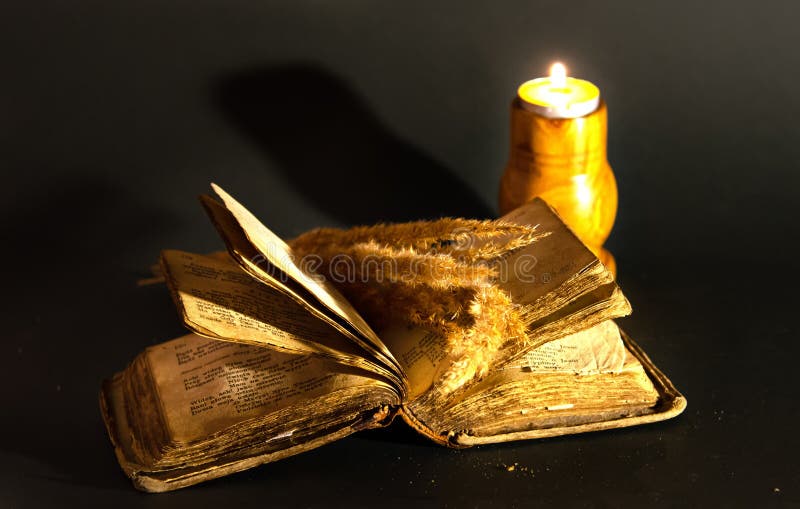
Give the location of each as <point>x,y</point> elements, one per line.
<point>115,115</point>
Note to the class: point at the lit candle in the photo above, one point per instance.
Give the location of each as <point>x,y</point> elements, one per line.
<point>558,95</point>
<point>558,153</point>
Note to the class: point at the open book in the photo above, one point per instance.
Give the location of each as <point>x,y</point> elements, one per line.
<point>279,361</point>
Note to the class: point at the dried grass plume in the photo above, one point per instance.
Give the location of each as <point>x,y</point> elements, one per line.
<point>434,274</point>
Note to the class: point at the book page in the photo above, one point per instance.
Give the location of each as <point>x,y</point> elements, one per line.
<point>534,271</point>
<point>207,385</point>
<point>561,283</point>
<point>598,349</point>
<point>279,254</point>
<point>521,400</point>
<point>218,299</point>
<point>423,355</point>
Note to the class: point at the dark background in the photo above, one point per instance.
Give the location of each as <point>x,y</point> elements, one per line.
<point>115,115</point>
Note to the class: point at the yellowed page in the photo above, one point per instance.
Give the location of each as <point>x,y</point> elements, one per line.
<point>278,253</point>
<point>562,284</point>
<point>218,299</point>
<point>252,262</point>
<point>538,270</point>
<point>598,349</point>
<point>206,385</point>
<point>423,355</point>
<point>517,400</point>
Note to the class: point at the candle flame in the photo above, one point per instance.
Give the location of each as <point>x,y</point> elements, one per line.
<point>558,75</point>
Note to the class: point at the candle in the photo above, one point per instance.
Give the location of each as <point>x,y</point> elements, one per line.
<point>558,95</point>
<point>558,153</point>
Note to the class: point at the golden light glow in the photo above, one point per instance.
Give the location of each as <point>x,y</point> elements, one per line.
<point>583,192</point>
<point>558,75</point>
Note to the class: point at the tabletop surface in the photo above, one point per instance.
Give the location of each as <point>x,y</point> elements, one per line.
<point>114,116</point>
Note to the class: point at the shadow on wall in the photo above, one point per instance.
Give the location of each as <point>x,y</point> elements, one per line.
<point>336,153</point>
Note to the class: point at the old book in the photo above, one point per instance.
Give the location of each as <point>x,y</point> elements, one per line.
<point>278,361</point>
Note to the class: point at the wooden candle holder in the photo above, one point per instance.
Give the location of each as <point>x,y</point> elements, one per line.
<point>563,161</point>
